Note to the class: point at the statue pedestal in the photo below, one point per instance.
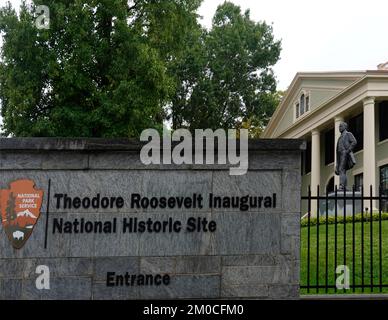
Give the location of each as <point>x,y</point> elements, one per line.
<point>345,204</point>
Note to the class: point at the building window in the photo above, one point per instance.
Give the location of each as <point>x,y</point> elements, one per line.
<point>302,104</point>
<point>356,126</point>
<point>307,158</point>
<point>383,115</point>
<point>358,181</point>
<point>329,146</point>
<point>384,186</point>
<point>307,103</point>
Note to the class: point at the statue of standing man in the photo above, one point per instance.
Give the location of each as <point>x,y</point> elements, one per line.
<point>345,157</point>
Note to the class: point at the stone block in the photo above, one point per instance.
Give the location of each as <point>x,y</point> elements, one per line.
<point>250,260</point>
<point>290,245</point>
<point>246,233</point>
<point>102,292</point>
<point>198,265</point>
<point>158,265</point>
<point>185,287</point>
<point>274,160</point>
<point>59,267</point>
<point>19,161</point>
<point>11,289</point>
<point>12,268</point>
<point>291,188</point>
<point>119,265</point>
<point>284,291</point>
<point>290,224</point>
<point>254,275</point>
<point>65,288</point>
<point>244,291</point>
<point>64,161</point>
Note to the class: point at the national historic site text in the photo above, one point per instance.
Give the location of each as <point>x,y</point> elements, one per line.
<point>139,224</point>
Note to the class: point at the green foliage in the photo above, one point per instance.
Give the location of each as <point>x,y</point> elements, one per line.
<point>340,219</point>
<point>226,80</point>
<point>100,70</point>
<point>111,68</point>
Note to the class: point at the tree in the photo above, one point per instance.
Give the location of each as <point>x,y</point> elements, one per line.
<point>101,69</point>
<point>226,77</point>
<point>111,68</point>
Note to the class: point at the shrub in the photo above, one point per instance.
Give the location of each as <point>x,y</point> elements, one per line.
<point>340,219</point>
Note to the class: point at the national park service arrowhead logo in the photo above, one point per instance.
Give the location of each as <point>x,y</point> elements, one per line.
<point>20,210</point>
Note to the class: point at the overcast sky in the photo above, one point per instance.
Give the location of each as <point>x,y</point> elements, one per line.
<point>318,35</point>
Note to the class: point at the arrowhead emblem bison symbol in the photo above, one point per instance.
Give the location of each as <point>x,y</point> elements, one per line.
<point>20,210</point>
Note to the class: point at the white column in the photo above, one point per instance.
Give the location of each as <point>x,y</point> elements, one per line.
<point>337,134</point>
<point>315,168</point>
<point>369,148</point>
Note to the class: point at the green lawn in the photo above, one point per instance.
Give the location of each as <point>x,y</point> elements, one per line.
<point>340,255</point>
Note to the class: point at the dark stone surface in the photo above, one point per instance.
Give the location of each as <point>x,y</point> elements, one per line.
<point>101,144</point>
<point>253,254</point>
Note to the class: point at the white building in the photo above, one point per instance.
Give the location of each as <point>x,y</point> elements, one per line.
<point>312,109</point>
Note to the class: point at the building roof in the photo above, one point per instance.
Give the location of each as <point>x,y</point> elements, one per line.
<point>353,76</point>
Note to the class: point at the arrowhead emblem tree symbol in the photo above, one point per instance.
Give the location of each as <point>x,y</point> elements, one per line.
<point>20,210</point>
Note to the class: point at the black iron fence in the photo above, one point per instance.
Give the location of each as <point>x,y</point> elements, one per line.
<point>344,240</point>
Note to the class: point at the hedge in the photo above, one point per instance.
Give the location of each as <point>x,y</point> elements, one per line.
<point>340,219</point>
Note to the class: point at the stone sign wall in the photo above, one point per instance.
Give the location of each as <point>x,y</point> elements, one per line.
<point>108,227</point>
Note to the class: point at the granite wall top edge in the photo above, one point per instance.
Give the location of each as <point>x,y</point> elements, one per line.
<point>123,144</point>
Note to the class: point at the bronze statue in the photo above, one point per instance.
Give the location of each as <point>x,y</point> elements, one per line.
<point>345,157</point>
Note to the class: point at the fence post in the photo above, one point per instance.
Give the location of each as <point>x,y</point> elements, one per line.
<point>317,264</point>
<point>354,240</point>
<point>308,239</point>
<point>335,233</point>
